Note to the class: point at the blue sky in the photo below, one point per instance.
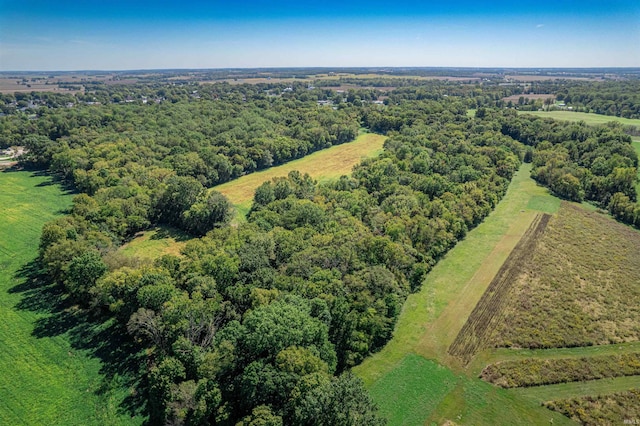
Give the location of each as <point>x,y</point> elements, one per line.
<point>118,34</point>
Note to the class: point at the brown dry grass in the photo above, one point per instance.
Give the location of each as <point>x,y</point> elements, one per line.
<point>488,311</point>
<point>327,164</point>
<point>580,288</point>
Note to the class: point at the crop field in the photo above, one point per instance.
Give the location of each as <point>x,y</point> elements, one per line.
<point>583,116</point>
<point>487,312</point>
<point>580,287</point>
<point>46,379</point>
<point>322,165</point>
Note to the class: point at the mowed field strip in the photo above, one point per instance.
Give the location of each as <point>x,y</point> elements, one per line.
<point>322,165</point>
<point>539,394</point>
<point>44,380</point>
<point>431,319</point>
<point>588,118</point>
<point>489,356</point>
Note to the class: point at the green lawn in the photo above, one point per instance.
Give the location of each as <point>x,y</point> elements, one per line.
<point>503,354</point>
<point>415,387</point>
<point>45,379</point>
<point>431,319</point>
<point>583,116</point>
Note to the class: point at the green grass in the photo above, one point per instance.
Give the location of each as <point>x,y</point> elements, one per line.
<point>540,394</point>
<point>503,354</point>
<point>583,116</point>
<point>415,387</point>
<point>45,380</point>
<point>544,203</point>
<point>322,165</point>
<point>156,242</point>
<point>474,402</point>
<point>636,144</point>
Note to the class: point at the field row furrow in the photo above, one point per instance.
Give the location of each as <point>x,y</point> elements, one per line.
<point>476,329</point>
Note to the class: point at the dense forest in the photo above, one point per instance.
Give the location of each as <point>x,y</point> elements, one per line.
<point>259,323</point>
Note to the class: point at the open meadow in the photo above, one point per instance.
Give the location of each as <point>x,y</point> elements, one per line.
<point>579,288</point>
<point>583,116</point>
<point>322,165</point>
<point>47,378</point>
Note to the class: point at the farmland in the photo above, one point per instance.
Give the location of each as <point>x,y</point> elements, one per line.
<point>487,312</point>
<point>435,319</point>
<point>47,378</point>
<point>588,118</point>
<point>579,288</point>
<point>425,266</point>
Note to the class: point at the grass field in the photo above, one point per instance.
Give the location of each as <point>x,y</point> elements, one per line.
<point>478,328</point>
<point>45,379</point>
<point>579,288</point>
<point>156,242</point>
<point>323,165</point>
<point>539,394</point>
<point>504,354</point>
<point>432,318</point>
<point>583,116</point>
<point>636,145</point>
<point>412,389</point>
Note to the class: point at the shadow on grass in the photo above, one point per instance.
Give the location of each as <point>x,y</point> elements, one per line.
<point>53,179</point>
<point>169,232</point>
<point>122,361</point>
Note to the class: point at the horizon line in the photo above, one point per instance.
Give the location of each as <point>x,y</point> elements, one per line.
<point>379,68</point>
